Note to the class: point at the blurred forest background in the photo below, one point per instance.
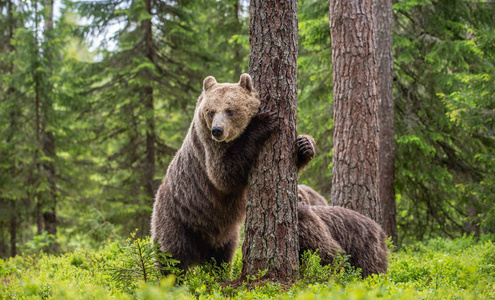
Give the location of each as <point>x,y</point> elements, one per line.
<point>96,97</point>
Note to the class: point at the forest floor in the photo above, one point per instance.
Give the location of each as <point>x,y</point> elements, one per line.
<point>437,269</point>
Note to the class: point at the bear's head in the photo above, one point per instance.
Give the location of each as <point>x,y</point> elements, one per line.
<point>227,108</point>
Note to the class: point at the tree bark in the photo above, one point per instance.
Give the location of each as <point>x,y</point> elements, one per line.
<point>149,165</point>
<point>271,239</point>
<point>385,67</point>
<point>48,139</point>
<point>237,46</point>
<point>39,146</point>
<point>4,249</point>
<point>13,235</point>
<point>12,125</point>
<point>355,178</point>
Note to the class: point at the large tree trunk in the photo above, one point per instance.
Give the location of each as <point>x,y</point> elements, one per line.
<point>271,239</point>
<point>385,67</point>
<point>355,178</point>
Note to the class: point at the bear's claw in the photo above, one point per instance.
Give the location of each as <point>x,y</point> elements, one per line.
<point>305,145</point>
<point>267,118</point>
<point>267,114</point>
<point>305,148</point>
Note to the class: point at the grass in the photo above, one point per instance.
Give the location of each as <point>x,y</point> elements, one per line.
<point>438,269</point>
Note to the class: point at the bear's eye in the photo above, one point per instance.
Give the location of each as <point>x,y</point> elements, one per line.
<point>211,114</point>
<point>230,113</point>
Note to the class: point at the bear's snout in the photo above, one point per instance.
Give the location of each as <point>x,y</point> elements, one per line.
<point>217,131</point>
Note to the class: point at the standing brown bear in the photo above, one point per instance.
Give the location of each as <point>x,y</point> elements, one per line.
<point>200,205</point>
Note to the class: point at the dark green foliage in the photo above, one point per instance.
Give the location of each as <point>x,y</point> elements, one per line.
<point>89,124</point>
<point>442,174</point>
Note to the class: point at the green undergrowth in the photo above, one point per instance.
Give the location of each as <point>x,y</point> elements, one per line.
<point>438,269</point>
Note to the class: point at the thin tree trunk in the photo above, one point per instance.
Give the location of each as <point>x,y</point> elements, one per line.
<point>385,67</point>
<point>13,236</point>
<point>48,15</point>
<point>271,239</point>
<point>4,249</point>
<point>37,92</point>
<point>149,171</point>
<point>39,210</point>
<point>355,159</point>
<point>471,225</point>
<point>12,125</point>
<point>237,46</point>
<point>150,120</point>
<point>48,140</point>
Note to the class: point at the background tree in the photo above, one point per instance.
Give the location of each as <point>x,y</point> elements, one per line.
<point>37,118</point>
<point>48,146</point>
<point>355,179</point>
<point>442,55</point>
<point>271,239</point>
<point>315,95</point>
<point>382,21</point>
<point>8,202</point>
<point>145,73</point>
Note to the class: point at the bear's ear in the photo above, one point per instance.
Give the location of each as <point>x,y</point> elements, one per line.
<point>246,82</point>
<point>209,82</point>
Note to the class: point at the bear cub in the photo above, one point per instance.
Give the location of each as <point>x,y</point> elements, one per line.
<point>200,205</point>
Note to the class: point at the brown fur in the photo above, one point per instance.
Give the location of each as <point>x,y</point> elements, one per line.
<point>332,229</point>
<point>308,196</point>
<point>200,205</point>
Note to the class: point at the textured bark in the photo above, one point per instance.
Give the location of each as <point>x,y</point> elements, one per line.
<point>13,125</point>
<point>39,146</point>
<point>237,46</point>
<point>147,93</point>
<point>385,67</point>
<point>271,239</point>
<point>13,236</point>
<point>355,159</point>
<point>148,102</point>
<point>4,249</point>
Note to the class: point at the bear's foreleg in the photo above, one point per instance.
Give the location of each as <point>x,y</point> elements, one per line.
<point>240,156</point>
<point>225,254</point>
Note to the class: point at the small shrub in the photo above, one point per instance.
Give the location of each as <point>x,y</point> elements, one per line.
<point>339,271</point>
<point>138,260</point>
<point>40,243</point>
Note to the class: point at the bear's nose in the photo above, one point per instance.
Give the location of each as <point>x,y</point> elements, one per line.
<point>217,131</point>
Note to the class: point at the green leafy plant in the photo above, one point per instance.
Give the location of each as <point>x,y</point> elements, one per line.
<point>141,260</point>
<point>339,271</point>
